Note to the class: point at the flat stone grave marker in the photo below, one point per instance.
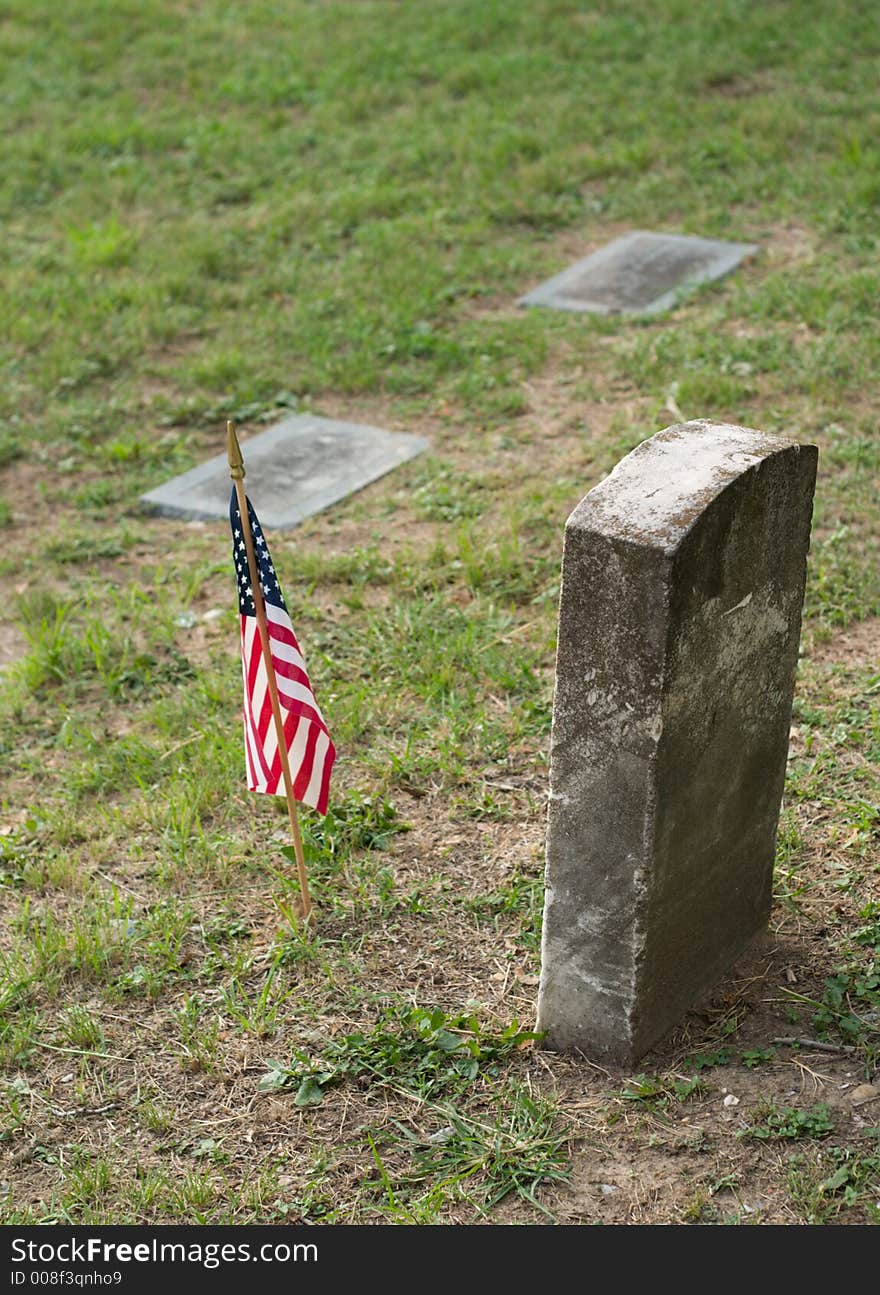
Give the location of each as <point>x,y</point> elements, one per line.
<point>682,586</point>
<point>294,470</point>
<point>641,274</point>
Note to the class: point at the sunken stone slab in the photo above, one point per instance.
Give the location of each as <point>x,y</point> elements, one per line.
<point>640,273</point>
<point>682,587</point>
<point>295,469</point>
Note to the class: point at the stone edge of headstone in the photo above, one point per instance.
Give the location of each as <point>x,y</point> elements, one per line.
<point>553,292</point>
<point>674,519</point>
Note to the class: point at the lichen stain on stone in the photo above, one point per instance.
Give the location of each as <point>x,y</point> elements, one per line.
<point>743,602</point>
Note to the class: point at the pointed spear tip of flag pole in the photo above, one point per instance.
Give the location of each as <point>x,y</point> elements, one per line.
<point>236,462</point>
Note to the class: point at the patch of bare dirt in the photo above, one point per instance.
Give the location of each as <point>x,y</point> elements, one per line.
<point>855,647</point>
<point>732,85</point>
<point>789,244</point>
<point>671,1161</point>
<point>12,644</point>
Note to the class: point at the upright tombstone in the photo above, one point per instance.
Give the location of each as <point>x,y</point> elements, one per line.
<point>682,588</point>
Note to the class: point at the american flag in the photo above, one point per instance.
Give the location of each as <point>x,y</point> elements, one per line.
<point>311,753</point>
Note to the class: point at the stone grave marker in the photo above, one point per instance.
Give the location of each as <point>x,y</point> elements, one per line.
<point>641,273</point>
<point>295,469</point>
<point>682,588</point>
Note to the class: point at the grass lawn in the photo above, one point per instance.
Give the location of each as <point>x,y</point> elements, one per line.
<point>235,210</point>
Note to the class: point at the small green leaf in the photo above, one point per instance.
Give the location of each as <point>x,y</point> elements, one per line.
<point>310,1092</point>
<point>837,1179</point>
<point>274,1078</point>
<point>449,1042</point>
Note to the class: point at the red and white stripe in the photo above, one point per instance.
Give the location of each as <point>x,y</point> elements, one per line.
<point>311,753</point>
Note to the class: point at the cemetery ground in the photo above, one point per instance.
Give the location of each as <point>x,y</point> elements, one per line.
<point>241,212</point>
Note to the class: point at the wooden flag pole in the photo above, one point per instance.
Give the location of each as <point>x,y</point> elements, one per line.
<point>236,471</point>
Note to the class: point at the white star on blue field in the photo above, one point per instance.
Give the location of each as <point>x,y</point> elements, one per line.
<point>268,578</point>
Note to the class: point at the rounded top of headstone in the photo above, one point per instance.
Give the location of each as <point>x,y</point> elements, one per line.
<point>658,491</point>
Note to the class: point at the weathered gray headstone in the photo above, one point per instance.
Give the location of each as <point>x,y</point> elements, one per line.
<point>682,587</point>
<point>641,274</point>
<point>295,469</point>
